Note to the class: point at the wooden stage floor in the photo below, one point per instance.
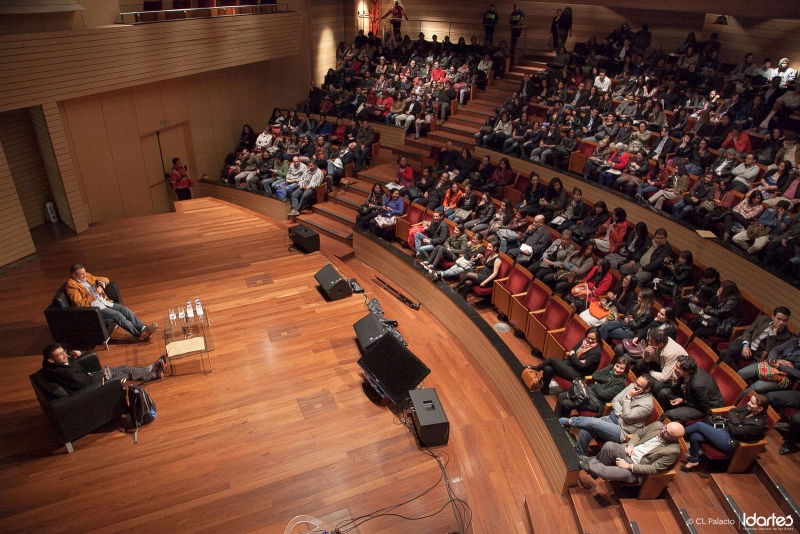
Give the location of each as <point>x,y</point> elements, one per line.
<point>280,428</point>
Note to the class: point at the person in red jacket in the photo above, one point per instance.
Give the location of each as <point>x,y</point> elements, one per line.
<point>501,177</point>
<point>396,14</point>
<point>180,180</point>
<point>739,141</point>
<point>612,233</point>
<point>618,161</point>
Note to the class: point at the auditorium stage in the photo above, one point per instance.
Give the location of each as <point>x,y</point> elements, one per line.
<point>280,428</point>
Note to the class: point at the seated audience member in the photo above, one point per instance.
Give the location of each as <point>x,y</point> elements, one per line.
<point>635,172</point>
<point>660,355</point>
<point>637,243</point>
<point>597,159</point>
<point>371,207</point>
<point>484,212</point>
<point>636,317</point>
<point>674,277</point>
<point>534,241</point>
<point>577,269</point>
<point>484,277</point>
<point>598,282</point>
<point>703,295</point>
<point>652,260</point>
<point>652,450</point>
<point>744,174</point>
<point>462,167</point>
<point>557,256</point>
<point>276,174</point>
<point>85,290</point>
<point>788,400</point>
<point>248,138</point>
<point>605,385</point>
<point>501,177</point>
<point>630,409</point>
<point>432,198</point>
<point>573,212</point>
<point>306,188</point>
<point>531,197</point>
<point>701,191</point>
<point>436,233</point>
<point>621,298</point>
<point>338,159</point>
<point>719,318</point>
<point>265,139</point>
<point>616,162</point>
<point>465,206</point>
<point>249,165</point>
<point>60,367</point>
<point>296,171</point>
<point>473,250</point>
<point>746,424</point>
<point>393,208</point>
<point>487,128</point>
<point>594,220</point>
<point>583,359</point>
<point>690,393</point>
<point>773,221</point>
<point>453,247</point>
<point>613,231</point>
<point>784,363</point>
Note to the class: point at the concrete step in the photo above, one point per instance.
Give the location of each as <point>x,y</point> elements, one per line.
<point>327,226</point>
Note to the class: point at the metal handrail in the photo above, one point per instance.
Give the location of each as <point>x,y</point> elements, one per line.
<point>162,15</point>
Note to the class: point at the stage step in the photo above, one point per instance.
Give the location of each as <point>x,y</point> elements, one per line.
<point>550,514</point>
<point>649,516</point>
<point>506,85</point>
<point>461,141</point>
<point>593,516</point>
<point>469,112</point>
<point>323,225</point>
<point>744,494</point>
<point>690,499</point>
<point>350,200</point>
<point>379,174</point>
<point>472,122</point>
<point>779,474</point>
<point>456,128</point>
<point>335,211</point>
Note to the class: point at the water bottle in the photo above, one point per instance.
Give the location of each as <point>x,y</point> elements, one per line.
<point>107,372</point>
<point>172,315</point>
<point>189,310</point>
<point>198,306</point>
<point>181,314</point>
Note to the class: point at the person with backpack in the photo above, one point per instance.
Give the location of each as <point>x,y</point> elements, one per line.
<point>63,369</point>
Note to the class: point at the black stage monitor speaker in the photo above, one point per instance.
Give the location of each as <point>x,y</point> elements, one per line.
<point>433,428</point>
<point>392,368</point>
<point>331,282</point>
<point>369,329</point>
<point>304,238</point>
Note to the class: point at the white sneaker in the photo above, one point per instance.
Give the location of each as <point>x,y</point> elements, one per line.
<point>294,213</point>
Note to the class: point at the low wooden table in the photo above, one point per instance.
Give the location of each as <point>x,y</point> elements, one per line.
<point>188,337</point>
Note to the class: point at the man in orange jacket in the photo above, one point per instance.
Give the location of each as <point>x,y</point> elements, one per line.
<point>86,290</point>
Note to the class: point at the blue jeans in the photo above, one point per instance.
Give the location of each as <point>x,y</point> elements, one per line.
<point>138,374</point>
<point>692,168</point>
<point>614,330</point>
<point>362,154</point>
<point>682,210</point>
<point>701,432</point>
<point>750,373</point>
<point>643,189</point>
<point>268,183</point>
<point>124,317</point>
<point>607,179</point>
<point>422,249</point>
<point>606,428</point>
<point>301,197</point>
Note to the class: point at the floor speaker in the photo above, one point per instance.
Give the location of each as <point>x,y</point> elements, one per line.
<point>430,422</point>
<point>369,330</point>
<point>332,284</point>
<point>304,238</point>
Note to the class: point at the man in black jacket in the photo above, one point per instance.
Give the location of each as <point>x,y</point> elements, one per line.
<point>64,371</point>
<point>760,338</point>
<point>663,146</point>
<point>435,234</point>
<point>690,394</point>
<point>704,294</point>
<point>652,260</point>
<point>447,158</point>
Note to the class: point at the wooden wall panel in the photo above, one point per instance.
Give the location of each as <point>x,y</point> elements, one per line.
<point>126,152</point>
<point>770,290</point>
<point>50,163</point>
<point>667,27</point>
<point>92,154</point>
<point>775,38</point>
<point>327,29</point>
<point>173,100</point>
<point>38,68</point>
<point>147,104</point>
<point>25,164</point>
<point>79,194</point>
<point>15,240</point>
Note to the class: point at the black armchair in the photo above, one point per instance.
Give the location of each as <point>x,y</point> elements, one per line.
<point>78,326</point>
<point>74,415</point>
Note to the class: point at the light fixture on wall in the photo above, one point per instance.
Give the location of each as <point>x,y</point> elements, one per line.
<point>722,19</point>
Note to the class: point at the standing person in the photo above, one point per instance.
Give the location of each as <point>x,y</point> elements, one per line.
<point>180,180</point>
<point>489,22</point>
<point>564,26</point>
<point>515,20</point>
<point>554,30</point>
<point>396,15</point>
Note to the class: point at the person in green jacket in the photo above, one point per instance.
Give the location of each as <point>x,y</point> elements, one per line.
<point>606,383</point>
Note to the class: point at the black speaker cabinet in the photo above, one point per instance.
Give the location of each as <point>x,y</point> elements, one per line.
<point>431,423</point>
<point>304,238</point>
<point>331,282</point>
<point>369,330</point>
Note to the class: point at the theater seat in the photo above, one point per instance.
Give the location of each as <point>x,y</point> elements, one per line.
<point>518,281</point>
<point>554,316</point>
<point>505,268</point>
<point>702,354</point>
<point>521,305</point>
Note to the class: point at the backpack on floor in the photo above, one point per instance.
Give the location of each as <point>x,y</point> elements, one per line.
<point>142,408</point>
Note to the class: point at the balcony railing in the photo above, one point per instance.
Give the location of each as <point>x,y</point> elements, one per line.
<point>152,11</point>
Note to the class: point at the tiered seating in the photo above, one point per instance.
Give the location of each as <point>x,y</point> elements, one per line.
<point>535,299</point>
<point>517,282</point>
<point>554,316</point>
